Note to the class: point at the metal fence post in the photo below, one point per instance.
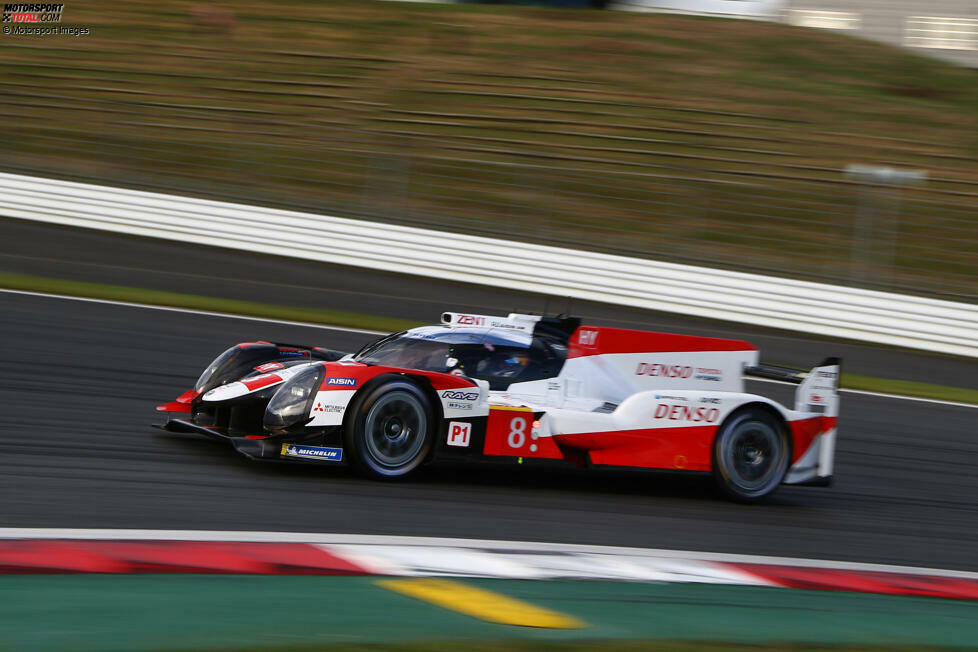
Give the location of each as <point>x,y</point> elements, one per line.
<point>874,246</point>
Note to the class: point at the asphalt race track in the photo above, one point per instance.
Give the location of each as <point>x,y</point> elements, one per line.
<point>81,380</point>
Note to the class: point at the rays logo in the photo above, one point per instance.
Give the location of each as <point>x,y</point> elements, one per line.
<point>460,396</point>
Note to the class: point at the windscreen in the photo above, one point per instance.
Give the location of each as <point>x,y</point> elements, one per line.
<point>498,356</point>
<point>409,353</point>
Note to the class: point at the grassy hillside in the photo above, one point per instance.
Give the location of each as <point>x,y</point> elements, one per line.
<point>701,140</point>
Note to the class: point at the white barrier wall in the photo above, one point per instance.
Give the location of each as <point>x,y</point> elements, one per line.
<point>767,9</point>
<point>865,315</point>
<point>946,29</point>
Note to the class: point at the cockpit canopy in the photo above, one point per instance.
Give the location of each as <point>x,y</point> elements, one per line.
<point>497,355</point>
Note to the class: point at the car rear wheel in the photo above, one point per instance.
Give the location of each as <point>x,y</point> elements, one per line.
<point>751,455</point>
<point>390,431</point>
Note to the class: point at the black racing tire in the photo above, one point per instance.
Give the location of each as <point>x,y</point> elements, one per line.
<point>751,455</point>
<point>389,429</point>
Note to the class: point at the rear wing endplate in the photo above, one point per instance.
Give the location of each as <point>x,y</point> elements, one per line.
<point>818,389</point>
<point>818,392</point>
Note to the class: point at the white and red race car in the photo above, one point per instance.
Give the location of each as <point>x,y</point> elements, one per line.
<point>522,387</point>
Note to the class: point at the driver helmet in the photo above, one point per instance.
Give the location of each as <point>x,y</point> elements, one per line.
<point>505,364</point>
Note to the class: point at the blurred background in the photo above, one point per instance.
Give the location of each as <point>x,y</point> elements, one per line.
<point>833,141</point>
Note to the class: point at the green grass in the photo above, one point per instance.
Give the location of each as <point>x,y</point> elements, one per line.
<point>107,612</point>
<point>105,108</point>
<point>209,304</point>
<point>909,388</point>
<point>372,322</point>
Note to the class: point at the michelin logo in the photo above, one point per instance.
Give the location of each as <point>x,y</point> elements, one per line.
<point>313,452</point>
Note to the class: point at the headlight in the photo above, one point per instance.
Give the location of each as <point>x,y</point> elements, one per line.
<point>291,404</point>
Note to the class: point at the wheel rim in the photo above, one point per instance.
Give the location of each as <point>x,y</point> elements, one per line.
<point>753,455</point>
<point>394,429</point>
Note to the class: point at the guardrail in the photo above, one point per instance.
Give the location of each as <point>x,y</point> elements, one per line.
<point>858,314</point>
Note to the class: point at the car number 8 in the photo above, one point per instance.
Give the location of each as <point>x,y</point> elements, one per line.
<point>517,433</point>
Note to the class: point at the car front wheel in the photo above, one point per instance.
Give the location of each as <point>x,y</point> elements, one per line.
<point>390,432</point>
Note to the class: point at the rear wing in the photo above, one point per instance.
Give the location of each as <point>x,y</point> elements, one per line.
<point>818,389</point>
<point>774,372</point>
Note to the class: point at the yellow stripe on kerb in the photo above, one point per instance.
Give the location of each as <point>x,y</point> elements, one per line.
<point>485,605</point>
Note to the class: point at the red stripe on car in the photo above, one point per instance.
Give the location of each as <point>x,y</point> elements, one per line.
<point>595,340</point>
<point>689,447</point>
<point>804,432</point>
<point>260,381</point>
<point>173,406</point>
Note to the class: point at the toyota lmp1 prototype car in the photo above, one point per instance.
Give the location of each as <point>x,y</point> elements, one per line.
<point>520,387</point>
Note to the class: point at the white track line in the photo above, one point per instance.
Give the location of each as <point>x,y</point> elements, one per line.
<point>268,320</point>
<point>479,544</point>
<point>190,311</point>
<point>877,394</point>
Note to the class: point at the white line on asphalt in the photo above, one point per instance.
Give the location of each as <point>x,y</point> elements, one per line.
<point>190,311</point>
<point>474,544</point>
<point>878,394</point>
<point>369,332</point>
